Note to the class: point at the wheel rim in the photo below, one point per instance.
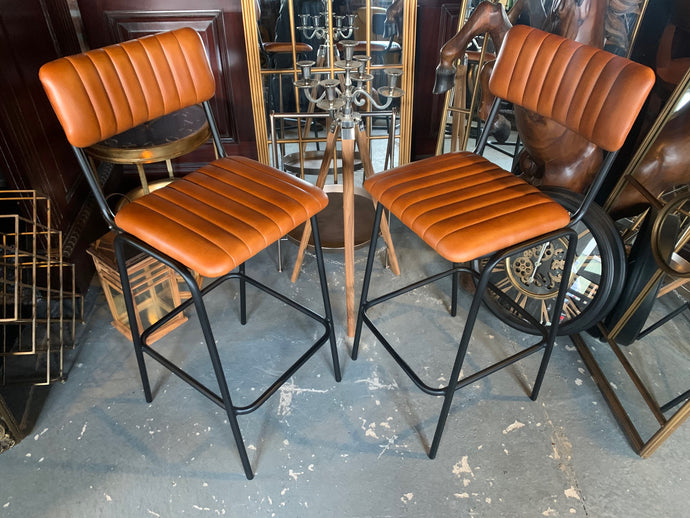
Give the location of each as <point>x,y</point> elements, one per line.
<point>532,278</point>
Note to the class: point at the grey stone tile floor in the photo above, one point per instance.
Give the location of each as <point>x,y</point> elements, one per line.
<point>351,449</point>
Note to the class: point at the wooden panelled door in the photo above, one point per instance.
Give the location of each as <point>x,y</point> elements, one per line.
<point>34,153</point>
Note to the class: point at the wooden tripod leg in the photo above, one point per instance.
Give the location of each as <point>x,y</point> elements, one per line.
<point>365,157</point>
<point>328,157</point>
<point>349,230</point>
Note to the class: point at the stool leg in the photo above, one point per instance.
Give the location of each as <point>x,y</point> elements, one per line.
<point>365,157</point>
<point>367,279</point>
<point>459,359</point>
<point>220,375</point>
<point>142,179</point>
<point>132,316</point>
<point>326,298</point>
<point>454,294</point>
<point>280,107</point>
<point>349,231</point>
<point>557,307</point>
<point>243,294</point>
<point>328,155</point>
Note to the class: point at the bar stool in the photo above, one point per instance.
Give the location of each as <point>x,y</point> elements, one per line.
<point>211,221</point>
<point>466,208</point>
<point>275,50</point>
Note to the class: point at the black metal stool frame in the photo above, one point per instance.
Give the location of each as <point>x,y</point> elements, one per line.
<point>621,77</point>
<point>548,334</point>
<point>139,339</point>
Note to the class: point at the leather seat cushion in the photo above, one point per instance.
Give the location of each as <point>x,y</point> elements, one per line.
<point>464,206</point>
<point>217,217</point>
<point>285,47</point>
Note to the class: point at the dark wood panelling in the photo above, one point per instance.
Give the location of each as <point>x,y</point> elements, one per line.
<point>31,159</point>
<point>437,22</point>
<point>34,152</point>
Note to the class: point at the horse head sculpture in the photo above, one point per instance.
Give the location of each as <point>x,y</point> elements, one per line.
<point>552,155</point>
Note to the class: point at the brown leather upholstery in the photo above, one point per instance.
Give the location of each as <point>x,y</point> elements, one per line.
<point>207,220</point>
<point>213,219</point>
<point>576,85</point>
<point>283,47</point>
<point>106,91</point>
<point>464,206</point>
<point>375,46</point>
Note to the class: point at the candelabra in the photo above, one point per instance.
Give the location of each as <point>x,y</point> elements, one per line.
<point>341,97</point>
<point>318,28</point>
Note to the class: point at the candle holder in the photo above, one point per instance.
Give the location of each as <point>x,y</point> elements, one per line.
<point>341,97</point>
<point>316,26</point>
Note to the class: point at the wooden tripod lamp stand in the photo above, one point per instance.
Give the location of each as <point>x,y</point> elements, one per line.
<point>341,98</point>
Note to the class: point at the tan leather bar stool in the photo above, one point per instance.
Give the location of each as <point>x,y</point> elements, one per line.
<point>465,207</point>
<point>211,221</point>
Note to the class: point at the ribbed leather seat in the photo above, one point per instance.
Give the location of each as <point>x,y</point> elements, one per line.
<point>217,217</point>
<point>285,47</point>
<point>464,206</point>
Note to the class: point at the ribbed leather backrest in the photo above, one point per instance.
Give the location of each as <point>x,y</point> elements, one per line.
<point>109,90</point>
<point>588,90</point>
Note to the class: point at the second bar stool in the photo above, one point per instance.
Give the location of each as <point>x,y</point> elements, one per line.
<point>465,208</point>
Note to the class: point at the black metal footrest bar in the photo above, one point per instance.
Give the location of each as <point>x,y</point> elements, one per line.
<point>407,289</point>
<point>441,391</point>
<point>217,282</point>
<point>218,400</point>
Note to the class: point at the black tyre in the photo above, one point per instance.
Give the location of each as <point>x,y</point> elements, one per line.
<point>642,265</point>
<point>532,278</point>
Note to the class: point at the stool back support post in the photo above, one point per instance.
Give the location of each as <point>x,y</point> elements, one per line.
<point>485,132</point>
<point>87,168</point>
<point>215,134</point>
<point>467,209</point>
<point>207,223</point>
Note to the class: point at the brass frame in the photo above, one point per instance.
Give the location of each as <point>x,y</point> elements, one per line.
<point>251,37</point>
<point>459,130</point>
<point>667,425</point>
<point>32,266</point>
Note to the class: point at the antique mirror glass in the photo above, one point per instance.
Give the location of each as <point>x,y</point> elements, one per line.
<point>283,34</point>
<point>651,400</point>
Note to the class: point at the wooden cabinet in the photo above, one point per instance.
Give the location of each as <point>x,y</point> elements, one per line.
<point>34,152</point>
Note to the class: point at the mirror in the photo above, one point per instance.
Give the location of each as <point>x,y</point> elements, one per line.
<point>649,395</point>
<point>281,34</point>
